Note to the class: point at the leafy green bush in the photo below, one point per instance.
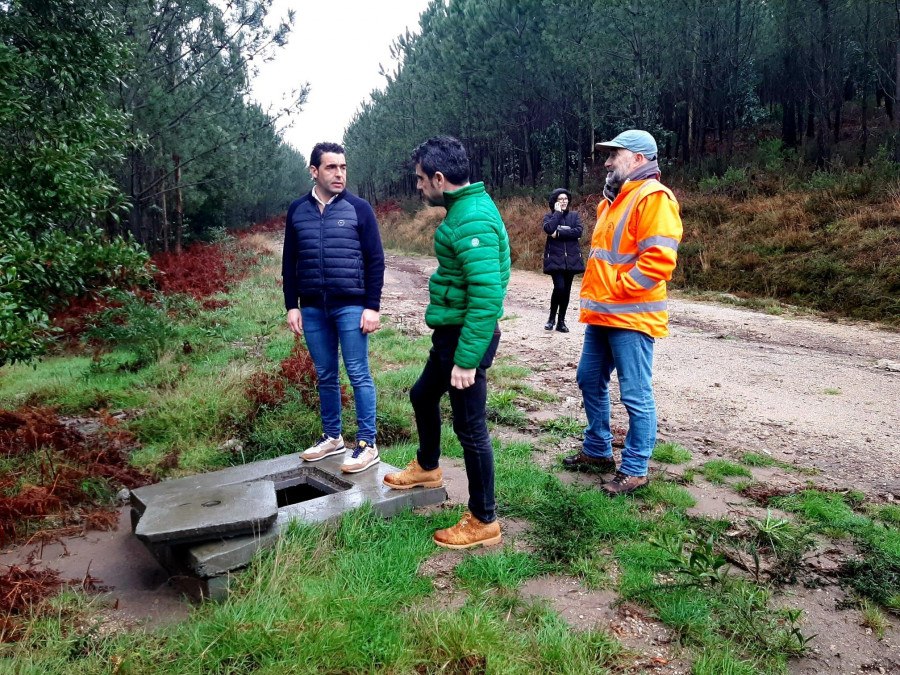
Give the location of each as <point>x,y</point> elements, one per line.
<point>143,328</point>
<point>59,133</point>
<point>733,183</point>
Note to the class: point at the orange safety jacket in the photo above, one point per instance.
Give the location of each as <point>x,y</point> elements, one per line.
<point>633,253</point>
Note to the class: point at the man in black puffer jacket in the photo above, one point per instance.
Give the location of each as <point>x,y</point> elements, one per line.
<point>333,268</point>
<point>562,255</point>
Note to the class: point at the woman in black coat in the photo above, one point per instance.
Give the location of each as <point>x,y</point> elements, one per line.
<point>562,255</point>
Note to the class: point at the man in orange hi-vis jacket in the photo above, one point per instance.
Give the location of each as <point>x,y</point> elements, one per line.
<point>623,303</point>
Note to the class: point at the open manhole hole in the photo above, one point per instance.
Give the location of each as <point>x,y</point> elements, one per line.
<point>305,485</point>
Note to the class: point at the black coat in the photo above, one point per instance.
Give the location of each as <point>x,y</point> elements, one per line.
<point>562,252</point>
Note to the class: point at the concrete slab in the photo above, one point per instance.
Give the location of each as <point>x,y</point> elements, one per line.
<point>187,516</point>
<point>312,492</point>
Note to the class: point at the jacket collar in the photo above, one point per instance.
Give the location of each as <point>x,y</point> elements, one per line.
<point>639,175</point>
<point>450,198</point>
<point>314,198</point>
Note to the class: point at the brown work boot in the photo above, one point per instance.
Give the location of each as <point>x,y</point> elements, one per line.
<point>414,476</point>
<point>580,461</point>
<point>624,484</point>
<point>469,532</point>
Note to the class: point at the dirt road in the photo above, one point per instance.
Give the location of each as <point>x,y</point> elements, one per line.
<point>728,380</point>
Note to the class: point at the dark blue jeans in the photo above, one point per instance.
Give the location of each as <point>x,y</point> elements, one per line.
<point>469,418</point>
<point>325,330</point>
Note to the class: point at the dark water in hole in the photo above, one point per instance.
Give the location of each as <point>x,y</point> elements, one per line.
<point>295,494</point>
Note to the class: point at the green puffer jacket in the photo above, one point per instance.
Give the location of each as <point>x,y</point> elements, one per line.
<point>468,288</point>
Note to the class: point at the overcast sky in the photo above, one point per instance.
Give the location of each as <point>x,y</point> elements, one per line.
<point>335,46</point>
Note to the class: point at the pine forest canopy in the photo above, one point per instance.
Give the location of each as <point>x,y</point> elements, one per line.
<point>531,85</point>
<point>126,126</point>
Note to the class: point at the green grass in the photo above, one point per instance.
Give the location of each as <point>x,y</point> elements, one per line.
<point>671,453</point>
<point>889,514</point>
<point>349,597</point>
<point>563,427</point>
<point>667,494</point>
<point>755,459</point>
<point>874,618</point>
<point>876,573</point>
<point>338,599</point>
<point>717,470</point>
<point>503,569</point>
<point>502,409</point>
<point>828,510</point>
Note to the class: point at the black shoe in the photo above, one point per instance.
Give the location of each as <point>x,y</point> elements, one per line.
<point>548,325</point>
<point>582,461</point>
<point>562,327</point>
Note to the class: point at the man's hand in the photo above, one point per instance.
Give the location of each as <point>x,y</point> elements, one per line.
<point>461,378</point>
<point>557,207</point>
<point>294,322</point>
<point>370,321</point>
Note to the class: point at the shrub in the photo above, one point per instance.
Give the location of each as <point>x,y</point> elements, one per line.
<point>734,183</point>
<point>141,327</point>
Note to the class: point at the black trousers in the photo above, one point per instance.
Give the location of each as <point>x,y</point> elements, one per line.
<point>469,418</point>
<point>562,292</point>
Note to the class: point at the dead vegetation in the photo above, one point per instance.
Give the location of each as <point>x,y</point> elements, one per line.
<point>58,478</point>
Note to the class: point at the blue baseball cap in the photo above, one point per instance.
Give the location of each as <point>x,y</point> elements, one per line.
<point>635,140</point>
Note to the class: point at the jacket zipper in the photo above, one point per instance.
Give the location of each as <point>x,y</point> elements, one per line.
<point>322,255</point>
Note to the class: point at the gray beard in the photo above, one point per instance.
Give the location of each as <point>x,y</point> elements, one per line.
<point>615,181</point>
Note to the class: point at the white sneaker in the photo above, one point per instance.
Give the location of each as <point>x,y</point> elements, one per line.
<point>362,457</point>
<point>324,447</point>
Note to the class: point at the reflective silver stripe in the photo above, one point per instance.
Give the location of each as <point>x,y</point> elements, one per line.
<point>625,307</point>
<point>613,258</point>
<point>641,279</point>
<point>620,228</point>
<point>658,240</point>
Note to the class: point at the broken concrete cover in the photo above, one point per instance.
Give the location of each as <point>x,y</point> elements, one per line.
<point>208,513</point>
<point>201,548</point>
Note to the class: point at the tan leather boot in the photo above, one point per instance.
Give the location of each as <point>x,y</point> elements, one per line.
<point>469,532</point>
<point>414,476</point>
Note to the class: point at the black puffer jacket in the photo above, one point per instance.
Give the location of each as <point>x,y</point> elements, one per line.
<point>562,252</point>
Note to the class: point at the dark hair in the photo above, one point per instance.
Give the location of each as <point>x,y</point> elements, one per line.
<point>320,149</point>
<point>445,154</point>
<point>554,196</point>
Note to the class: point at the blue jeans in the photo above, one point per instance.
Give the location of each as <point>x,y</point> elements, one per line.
<point>630,353</point>
<point>324,330</point>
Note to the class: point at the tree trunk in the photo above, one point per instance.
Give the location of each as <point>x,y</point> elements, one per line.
<point>865,84</point>
<point>896,99</point>
<point>164,216</point>
<point>179,206</point>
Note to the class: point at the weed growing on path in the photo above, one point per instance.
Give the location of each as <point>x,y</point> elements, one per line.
<point>718,469</point>
<point>671,453</point>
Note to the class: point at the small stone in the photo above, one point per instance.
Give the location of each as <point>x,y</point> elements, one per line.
<point>123,496</point>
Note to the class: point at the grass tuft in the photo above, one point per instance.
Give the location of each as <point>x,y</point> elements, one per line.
<point>718,470</point>
<point>671,453</point>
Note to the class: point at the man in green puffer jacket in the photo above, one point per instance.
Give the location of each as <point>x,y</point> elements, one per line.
<point>467,292</point>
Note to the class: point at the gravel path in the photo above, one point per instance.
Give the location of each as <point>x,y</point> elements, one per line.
<point>728,380</point>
